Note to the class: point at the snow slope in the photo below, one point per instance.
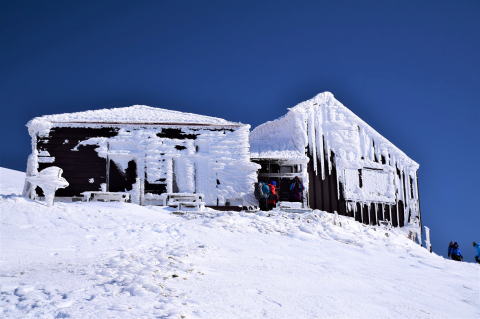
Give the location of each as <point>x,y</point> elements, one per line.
<point>11,181</point>
<point>118,260</point>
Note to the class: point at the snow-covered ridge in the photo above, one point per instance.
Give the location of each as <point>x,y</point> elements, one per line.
<point>138,114</point>
<point>11,181</point>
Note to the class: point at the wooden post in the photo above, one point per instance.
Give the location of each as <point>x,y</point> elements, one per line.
<point>107,177</point>
<point>428,244</point>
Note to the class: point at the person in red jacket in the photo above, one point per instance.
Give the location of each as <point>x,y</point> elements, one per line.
<point>273,198</point>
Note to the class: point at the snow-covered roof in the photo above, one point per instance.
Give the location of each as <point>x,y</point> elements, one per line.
<point>136,114</point>
<point>323,119</point>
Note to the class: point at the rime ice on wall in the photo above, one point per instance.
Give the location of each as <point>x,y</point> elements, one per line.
<point>323,125</point>
<point>216,163</point>
<point>181,151</point>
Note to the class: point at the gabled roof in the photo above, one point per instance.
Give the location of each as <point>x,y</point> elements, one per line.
<point>315,121</point>
<point>136,114</point>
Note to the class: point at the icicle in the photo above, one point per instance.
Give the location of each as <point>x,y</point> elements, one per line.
<point>319,139</point>
<point>311,139</point>
<point>363,146</point>
<point>329,159</point>
<point>338,186</point>
<point>377,152</point>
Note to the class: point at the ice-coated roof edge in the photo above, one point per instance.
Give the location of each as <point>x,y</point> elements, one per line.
<point>135,114</point>
<point>326,99</point>
<point>329,95</point>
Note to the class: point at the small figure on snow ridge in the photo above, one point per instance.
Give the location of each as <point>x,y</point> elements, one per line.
<point>477,257</point>
<point>454,251</point>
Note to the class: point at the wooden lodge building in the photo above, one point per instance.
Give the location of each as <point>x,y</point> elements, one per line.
<point>144,151</point>
<point>346,166</point>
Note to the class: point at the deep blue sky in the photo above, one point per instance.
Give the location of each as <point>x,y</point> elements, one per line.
<point>409,68</point>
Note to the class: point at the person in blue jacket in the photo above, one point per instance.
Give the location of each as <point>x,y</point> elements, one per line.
<point>296,190</point>
<point>262,192</point>
<point>450,248</point>
<point>454,251</point>
<point>477,257</point>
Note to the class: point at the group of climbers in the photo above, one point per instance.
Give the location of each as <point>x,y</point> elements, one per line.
<point>455,253</point>
<point>268,193</point>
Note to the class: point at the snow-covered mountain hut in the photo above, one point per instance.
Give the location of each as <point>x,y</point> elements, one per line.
<point>345,165</point>
<point>145,151</point>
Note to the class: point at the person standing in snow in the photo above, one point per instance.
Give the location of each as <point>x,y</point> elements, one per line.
<point>450,248</point>
<point>262,192</point>
<point>273,197</point>
<point>477,257</point>
<point>296,190</point>
<point>455,252</point>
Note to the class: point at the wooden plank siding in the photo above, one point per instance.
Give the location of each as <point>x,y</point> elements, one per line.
<point>83,169</point>
<point>325,195</point>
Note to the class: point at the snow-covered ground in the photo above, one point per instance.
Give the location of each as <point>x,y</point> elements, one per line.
<point>11,181</point>
<point>117,260</point>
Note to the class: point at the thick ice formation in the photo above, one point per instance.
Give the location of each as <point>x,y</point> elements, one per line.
<point>216,164</point>
<point>49,180</point>
<point>323,125</point>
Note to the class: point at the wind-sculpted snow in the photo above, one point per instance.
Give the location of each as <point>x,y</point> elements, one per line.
<point>120,260</point>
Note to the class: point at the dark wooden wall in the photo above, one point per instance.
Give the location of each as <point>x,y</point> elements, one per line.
<point>82,165</point>
<point>78,166</point>
<point>324,195</point>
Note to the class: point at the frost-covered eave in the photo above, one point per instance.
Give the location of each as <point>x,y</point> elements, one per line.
<point>40,126</point>
<point>230,124</point>
<point>256,156</point>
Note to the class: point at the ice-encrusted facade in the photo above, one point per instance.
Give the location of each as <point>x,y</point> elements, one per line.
<point>346,166</point>
<point>145,151</point>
